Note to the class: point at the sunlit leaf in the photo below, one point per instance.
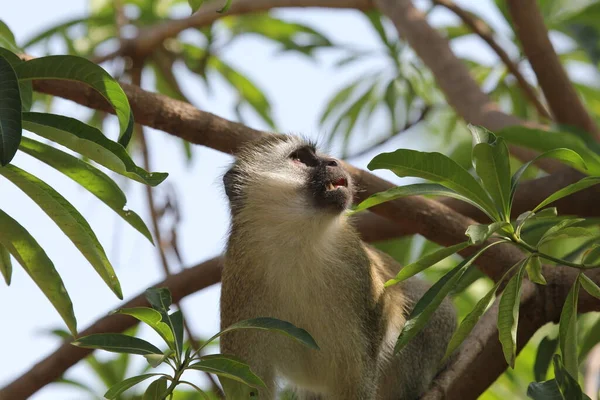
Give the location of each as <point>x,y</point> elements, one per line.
<point>563,229</point>
<point>229,367</point>
<point>153,319</point>
<point>10,112</point>
<point>28,253</point>
<point>426,262</point>
<point>417,189</point>
<point>568,190</point>
<point>82,70</point>
<point>508,316</point>
<point>534,270</point>
<point>274,325</point>
<point>568,331</point>
<point>119,388</point>
<point>92,179</point>
<point>5,264</point>
<point>7,38</point>
<point>589,286</point>
<point>89,142</point>
<point>438,168</point>
<point>478,234</point>
<point>160,299</point>
<point>117,343</point>
<point>195,4</point>
<point>68,219</point>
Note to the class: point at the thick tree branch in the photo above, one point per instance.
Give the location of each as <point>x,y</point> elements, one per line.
<point>482,30</point>
<point>552,77</point>
<point>52,367</point>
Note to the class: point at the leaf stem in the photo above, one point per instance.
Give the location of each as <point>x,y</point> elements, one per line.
<point>534,251</point>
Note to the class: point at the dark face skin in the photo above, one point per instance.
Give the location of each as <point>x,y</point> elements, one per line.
<point>328,181</point>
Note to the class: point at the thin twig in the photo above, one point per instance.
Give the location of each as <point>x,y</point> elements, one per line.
<point>482,30</point>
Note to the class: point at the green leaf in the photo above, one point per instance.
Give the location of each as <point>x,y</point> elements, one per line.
<point>176,321</point>
<point>89,142</point>
<point>156,389</point>
<point>340,98</point>
<point>438,168</point>
<point>229,367</point>
<point>155,359</point>
<point>195,4</point>
<point>68,219</point>
<point>225,7</point>
<point>375,20</point>
<point>565,155</point>
<point>25,88</point>
<point>425,262</point>
<point>95,181</point>
<point>153,319</point>
<point>508,316</point>
<point>491,162</point>
<point>247,90</point>
<point>568,190</point>
<point>273,325</point>
<point>534,270</point>
<point>544,391</point>
<point>589,286</point>
<point>82,70</point>
<point>478,234</point>
<point>568,385</point>
<point>556,229</point>
<point>567,329</point>
<point>7,38</point>
<point>36,263</point>
<point>417,189</point>
<point>160,299</point>
<point>117,343</point>
<point>591,257</point>
<point>432,299</point>
<point>543,358</point>
<point>5,264</point>
<point>10,112</point>
<point>545,140</point>
<point>119,388</point>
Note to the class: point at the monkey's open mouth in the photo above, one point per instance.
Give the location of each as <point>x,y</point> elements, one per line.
<point>338,183</point>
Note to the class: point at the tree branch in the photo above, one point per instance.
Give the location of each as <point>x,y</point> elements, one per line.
<point>552,77</point>
<point>482,30</point>
<point>188,281</point>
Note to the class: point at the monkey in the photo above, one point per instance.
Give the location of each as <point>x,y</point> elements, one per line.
<point>293,254</point>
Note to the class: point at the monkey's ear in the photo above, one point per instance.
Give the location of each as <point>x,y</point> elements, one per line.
<point>231,184</point>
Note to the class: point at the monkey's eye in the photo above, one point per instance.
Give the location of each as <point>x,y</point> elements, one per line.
<point>305,156</point>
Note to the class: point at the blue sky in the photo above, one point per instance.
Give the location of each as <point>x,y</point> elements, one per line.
<point>298,89</point>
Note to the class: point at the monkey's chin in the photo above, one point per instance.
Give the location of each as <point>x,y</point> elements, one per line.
<point>334,201</point>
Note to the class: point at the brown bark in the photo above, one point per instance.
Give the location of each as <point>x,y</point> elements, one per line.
<point>552,77</point>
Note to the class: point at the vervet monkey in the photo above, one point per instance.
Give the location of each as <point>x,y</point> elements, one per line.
<point>292,254</point>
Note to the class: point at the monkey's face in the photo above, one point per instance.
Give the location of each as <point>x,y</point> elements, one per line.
<point>288,174</point>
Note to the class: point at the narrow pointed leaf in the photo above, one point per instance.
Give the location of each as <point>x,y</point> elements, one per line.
<point>274,325</point>
<point>82,70</point>
<point>589,286</point>
<point>117,343</point>
<point>195,4</point>
<point>5,264</point>
<point>417,189</point>
<point>156,389</point>
<point>567,329</point>
<point>160,299</point>
<point>545,140</point>
<point>480,233</point>
<point>543,358</point>
<point>89,142</point>
<point>567,384</point>
<point>176,321</point>
<point>591,257</point>
<point>432,299</point>
<point>491,161</point>
<point>555,230</point>
<point>534,270</point>
<point>426,262</point>
<point>119,388</point>
<point>153,319</point>
<point>10,112</point>
<point>569,190</point>
<point>508,316</point>
<point>91,178</point>
<point>68,219</point>
<point>567,156</point>
<point>7,38</point>
<point>229,367</point>
<point>36,263</point>
<point>438,168</point>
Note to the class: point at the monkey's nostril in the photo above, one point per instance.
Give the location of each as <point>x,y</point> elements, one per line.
<point>332,163</point>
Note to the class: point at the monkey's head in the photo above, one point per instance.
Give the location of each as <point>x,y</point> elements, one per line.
<point>284,173</point>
